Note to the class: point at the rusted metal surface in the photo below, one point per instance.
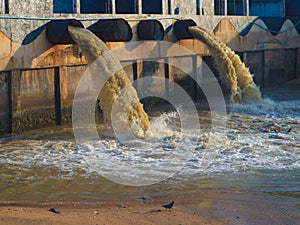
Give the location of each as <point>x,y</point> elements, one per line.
<point>150,30</point>
<point>57,31</point>
<point>181,29</point>
<point>112,30</point>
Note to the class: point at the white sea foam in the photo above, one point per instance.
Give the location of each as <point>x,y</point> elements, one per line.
<point>233,150</point>
<point>270,107</point>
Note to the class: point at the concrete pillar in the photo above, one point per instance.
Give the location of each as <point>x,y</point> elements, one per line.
<point>113,6</point>
<point>283,7</point>
<point>140,7</point>
<point>164,4</point>
<point>297,63</point>
<point>10,112</point>
<point>57,103</point>
<point>199,64</point>
<point>246,7</point>
<point>5,102</point>
<point>167,76</point>
<point>170,7</point>
<point>208,7</point>
<point>134,71</point>
<point>16,91</point>
<point>139,68</point>
<point>77,6</point>
<point>195,76</point>
<point>225,7</point>
<point>170,62</point>
<point>201,8</point>
<point>2,7</point>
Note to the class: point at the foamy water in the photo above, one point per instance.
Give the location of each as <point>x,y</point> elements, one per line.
<point>255,147</point>
<point>251,165</point>
<point>244,146</point>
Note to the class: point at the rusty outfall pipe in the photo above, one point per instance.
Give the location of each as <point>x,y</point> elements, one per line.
<point>112,30</point>
<point>57,31</point>
<point>181,30</point>
<point>150,30</point>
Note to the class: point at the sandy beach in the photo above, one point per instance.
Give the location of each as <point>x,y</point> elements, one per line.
<point>133,212</point>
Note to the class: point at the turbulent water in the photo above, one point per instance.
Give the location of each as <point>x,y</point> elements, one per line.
<point>251,157</point>
<point>237,76</point>
<point>259,138</point>
<point>254,162</point>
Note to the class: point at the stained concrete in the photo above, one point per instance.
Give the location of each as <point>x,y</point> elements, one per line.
<point>28,61</point>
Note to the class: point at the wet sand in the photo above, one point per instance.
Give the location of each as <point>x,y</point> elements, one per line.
<point>131,212</point>
<point>195,208</point>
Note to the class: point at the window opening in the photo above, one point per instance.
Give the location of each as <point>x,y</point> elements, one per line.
<point>235,7</point>
<point>6,7</point>
<point>219,7</point>
<point>95,6</point>
<point>152,6</point>
<point>63,6</point>
<point>198,7</point>
<point>169,7</point>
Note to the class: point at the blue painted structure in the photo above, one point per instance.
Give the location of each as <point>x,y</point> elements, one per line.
<point>152,6</point>
<point>63,6</point>
<point>266,8</point>
<point>293,8</point>
<point>92,6</point>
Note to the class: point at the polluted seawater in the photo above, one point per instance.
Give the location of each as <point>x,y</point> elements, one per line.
<point>251,178</point>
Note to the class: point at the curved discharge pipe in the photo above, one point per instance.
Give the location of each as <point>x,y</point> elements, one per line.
<point>237,76</point>
<point>57,31</point>
<point>112,30</point>
<point>150,29</point>
<point>95,50</point>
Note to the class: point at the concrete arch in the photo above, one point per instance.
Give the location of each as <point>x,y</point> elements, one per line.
<point>288,35</point>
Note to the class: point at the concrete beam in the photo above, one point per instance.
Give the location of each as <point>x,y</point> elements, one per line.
<point>164,4</point>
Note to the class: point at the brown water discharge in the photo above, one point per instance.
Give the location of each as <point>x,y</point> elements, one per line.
<point>237,75</point>
<point>95,49</point>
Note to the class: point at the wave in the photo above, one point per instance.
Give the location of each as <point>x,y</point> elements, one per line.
<point>269,107</point>
<point>139,162</point>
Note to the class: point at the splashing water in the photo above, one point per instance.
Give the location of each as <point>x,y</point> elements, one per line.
<point>95,51</point>
<point>237,76</point>
<point>118,88</point>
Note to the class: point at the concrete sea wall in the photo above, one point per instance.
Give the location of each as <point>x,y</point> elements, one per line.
<point>32,98</point>
<point>38,80</point>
